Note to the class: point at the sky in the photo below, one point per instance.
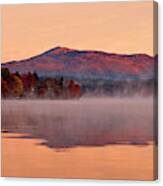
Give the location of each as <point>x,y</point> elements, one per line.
<point>117,27</point>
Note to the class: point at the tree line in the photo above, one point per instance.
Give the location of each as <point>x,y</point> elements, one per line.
<point>30,85</point>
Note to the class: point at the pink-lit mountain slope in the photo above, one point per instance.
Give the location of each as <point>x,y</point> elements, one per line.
<point>87,64</point>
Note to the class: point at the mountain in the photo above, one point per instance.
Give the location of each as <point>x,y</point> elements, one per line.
<point>86,64</point>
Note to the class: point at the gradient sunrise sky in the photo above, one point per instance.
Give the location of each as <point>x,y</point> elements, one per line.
<point>116,27</point>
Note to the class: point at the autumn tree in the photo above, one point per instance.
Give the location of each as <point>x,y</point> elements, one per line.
<point>16,86</point>
<point>5,88</point>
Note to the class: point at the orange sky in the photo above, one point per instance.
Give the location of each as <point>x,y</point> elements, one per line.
<point>124,27</point>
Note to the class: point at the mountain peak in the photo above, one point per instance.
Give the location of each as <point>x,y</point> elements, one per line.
<point>84,63</point>
<point>60,50</point>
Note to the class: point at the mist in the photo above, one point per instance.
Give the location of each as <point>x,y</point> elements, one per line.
<point>81,122</point>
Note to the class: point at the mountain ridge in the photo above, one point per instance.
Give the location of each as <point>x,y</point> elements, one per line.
<point>71,62</point>
<point>70,49</point>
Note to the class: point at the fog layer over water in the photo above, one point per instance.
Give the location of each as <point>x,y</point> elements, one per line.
<point>82,122</point>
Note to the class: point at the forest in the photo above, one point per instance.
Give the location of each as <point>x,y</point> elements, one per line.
<point>30,85</point>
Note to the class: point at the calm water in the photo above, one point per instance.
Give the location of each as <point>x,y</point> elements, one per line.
<point>83,122</point>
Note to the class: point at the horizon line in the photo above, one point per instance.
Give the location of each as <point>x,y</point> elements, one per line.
<point>79,50</point>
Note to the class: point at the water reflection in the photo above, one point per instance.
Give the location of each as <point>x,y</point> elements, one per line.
<point>84,122</point>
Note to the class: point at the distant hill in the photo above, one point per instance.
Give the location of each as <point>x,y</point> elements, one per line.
<point>87,65</point>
